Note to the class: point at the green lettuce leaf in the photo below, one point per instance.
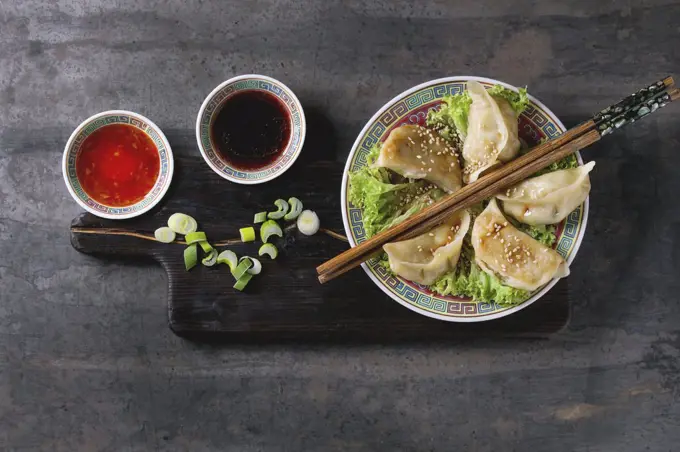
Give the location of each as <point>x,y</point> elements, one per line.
<point>480,286</point>
<point>384,203</point>
<point>518,100</point>
<point>452,116</point>
<point>542,233</point>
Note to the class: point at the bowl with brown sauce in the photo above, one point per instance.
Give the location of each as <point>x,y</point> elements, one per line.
<point>250,129</point>
<point>117,164</point>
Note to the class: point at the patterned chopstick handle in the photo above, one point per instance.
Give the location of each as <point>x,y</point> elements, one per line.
<point>631,101</point>
<point>633,113</point>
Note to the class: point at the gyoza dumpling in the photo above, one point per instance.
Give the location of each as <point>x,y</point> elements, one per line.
<point>418,153</point>
<point>425,258</point>
<point>549,198</point>
<point>492,134</point>
<point>515,258</point>
<point>510,119</point>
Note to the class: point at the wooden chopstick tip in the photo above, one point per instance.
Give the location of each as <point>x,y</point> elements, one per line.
<point>674,94</point>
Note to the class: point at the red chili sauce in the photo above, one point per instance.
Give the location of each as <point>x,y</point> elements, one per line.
<point>118,165</point>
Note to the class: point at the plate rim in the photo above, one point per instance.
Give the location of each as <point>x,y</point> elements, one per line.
<point>343,201</point>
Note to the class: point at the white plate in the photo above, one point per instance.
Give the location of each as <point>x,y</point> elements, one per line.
<point>411,107</point>
<point>103,119</point>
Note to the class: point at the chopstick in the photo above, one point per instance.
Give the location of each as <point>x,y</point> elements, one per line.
<point>626,111</point>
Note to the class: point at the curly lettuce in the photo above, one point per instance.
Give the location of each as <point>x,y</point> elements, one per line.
<point>452,116</point>
<point>518,100</point>
<point>451,120</point>
<point>383,202</point>
<point>471,281</point>
<point>542,233</point>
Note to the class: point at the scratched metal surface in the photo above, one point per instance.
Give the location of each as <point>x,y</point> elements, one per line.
<point>82,367</point>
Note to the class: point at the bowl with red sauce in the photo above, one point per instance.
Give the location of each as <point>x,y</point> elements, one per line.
<point>250,129</point>
<point>117,164</point>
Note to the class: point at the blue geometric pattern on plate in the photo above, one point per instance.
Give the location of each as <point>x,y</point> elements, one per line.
<point>535,124</point>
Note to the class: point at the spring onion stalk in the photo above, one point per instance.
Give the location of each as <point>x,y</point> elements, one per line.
<point>295,209</point>
<point>269,228</point>
<point>242,268</point>
<point>257,266</point>
<point>190,257</point>
<point>165,235</point>
<point>308,222</point>
<point>260,217</point>
<point>268,249</point>
<point>195,237</point>
<point>207,247</point>
<point>242,282</point>
<point>210,259</point>
<point>182,224</point>
<point>247,234</point>
<point>228,257</point>
<point>283,209</point>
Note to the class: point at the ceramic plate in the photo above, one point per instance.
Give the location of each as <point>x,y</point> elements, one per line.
<point>212,105</point>
<point>411,107</point>
<point>104,119</point>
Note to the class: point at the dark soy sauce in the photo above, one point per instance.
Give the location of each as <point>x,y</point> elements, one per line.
<point>251,130</point>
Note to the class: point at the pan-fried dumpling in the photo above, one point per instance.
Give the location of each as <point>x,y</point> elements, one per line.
<point>511,121</point>
<point>492,134</point>
<point>418,153</point>
<point>425,258</point>
<point>549,198</point>
<point>514,257</point>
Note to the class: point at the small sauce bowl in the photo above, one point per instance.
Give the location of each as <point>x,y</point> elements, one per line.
<point>153,178</point>
<point>255,87</point>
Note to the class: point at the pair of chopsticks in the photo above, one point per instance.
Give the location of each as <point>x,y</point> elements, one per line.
<point>627,111</point>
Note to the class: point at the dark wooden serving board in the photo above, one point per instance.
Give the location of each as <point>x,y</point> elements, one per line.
<point>285,302</point>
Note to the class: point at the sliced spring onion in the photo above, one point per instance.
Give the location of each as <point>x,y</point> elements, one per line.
<point>182,223</point>
<point>242,282</point>
<point>295,209</point>
<point>257,266</point>
<point>268,249</point>
<point>165,235</point>
<point>308,222</point>
<point>283,209</point>
<point>195,237</point>
<point>247,234</point>
<point>190,257</point>
<point>242,268</point>
<point>260,217</point>
<point>210,259</point>
<point>269,228</point>
<point>207,247</point>
<point>228,257</point>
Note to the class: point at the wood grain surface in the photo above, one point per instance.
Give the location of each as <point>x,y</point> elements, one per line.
<point>285,302</point>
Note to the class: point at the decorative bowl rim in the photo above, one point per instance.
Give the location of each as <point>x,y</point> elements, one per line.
<point>158,197</point>
<point>296,152</point>
<point>345,214</point>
